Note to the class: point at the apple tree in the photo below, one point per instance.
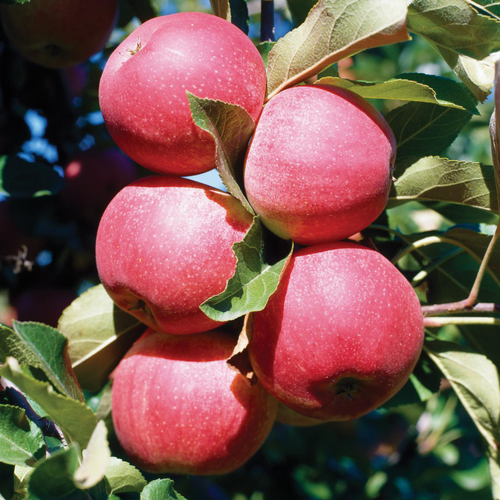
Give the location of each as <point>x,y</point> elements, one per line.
<point>431,70</point>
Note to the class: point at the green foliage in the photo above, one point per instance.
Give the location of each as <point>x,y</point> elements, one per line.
<point>76,420</point>
<point>21,441</point>
<point>22,179</point>
<point>231,127</point>
<point>427,112</point>
<point>99,335</point>
<point>333,30</point>
<point>441,179</point>
<point>161,489</point>
<point>254,280</point>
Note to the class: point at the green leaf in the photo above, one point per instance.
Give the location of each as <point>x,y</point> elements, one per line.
<point>95,459</point>
<point>99,335</point>
<point>21,477</point>
<point>476,75</point>
<point>231,127</point>
<point>475,380</point>
<point>48,350</point>
<point>221,8</point>
<point>455,25</point>
<point>334,29</point>
<point>494,466</point>
<point>22,179</point>
<point>21,441</point>
<point>123,477</point>
<point>300,8</point>
<point>160,489</point>
<point>414,87</point>
<point>440,179</point>
<point>462,35</point>
<point>53,478</point>
<point>478,243</point>
<point>423,129</point>
<point>254,280</point>
<point>14,1</point>
<point>76,420</point>
<point>264,49</point>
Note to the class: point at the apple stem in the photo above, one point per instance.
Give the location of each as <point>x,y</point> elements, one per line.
<point>267,21</point>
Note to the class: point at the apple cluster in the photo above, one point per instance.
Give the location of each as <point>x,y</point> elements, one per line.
<point>344,329</point>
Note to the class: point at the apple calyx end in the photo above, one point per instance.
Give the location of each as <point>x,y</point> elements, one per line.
<point>346,387</point>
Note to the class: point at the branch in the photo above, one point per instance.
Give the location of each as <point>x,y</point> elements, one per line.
<point>17,398</point>
<point>267,21</point>
<point>461,306</point>
<point>459,320</point>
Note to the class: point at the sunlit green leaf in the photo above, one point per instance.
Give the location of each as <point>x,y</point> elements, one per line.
<point>475,380</point>
<point>99,335</point>
<point>413,87</point>
<point>95,459</point>
<point>231,127</point>
<point>76,420</point>
<point>47,349</point>
<point>253,283</point>
<point>21,441</point>
<point>334,29</point>
<point>124,477</point>
<point>440,179</point>
<point>53,478</point>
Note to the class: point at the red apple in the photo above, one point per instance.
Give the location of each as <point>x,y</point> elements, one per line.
<point>341,334</point>
<point>59,33</point>
<point>179,408</point>
<point>93,178</point>
<point>319,166</point>
<point>143,88</point>
<point>164,246</point>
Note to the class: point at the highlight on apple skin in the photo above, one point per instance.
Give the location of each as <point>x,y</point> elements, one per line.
<point>59,33</point>
<point>192,414</point>
<point>142,92</point>
<point>164,246</point>
<point>340,336</point>
<point>319,166</point>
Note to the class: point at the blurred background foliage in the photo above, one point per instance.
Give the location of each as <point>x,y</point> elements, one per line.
<point>430,450</point>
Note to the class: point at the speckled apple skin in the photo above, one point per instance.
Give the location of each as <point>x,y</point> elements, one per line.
<point>167,242</point>
<point>59,33</point>
<point>143,94</point>
<point>179,408</point>
<point>319,167</point>
<point>342,313</point>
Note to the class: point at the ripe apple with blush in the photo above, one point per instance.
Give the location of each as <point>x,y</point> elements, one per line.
<point>58,33</point>
<point>179,408</point>
<point>142,92</point>
<point>164,246</point>
<point>340,336</point>
<point>319,166</point>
